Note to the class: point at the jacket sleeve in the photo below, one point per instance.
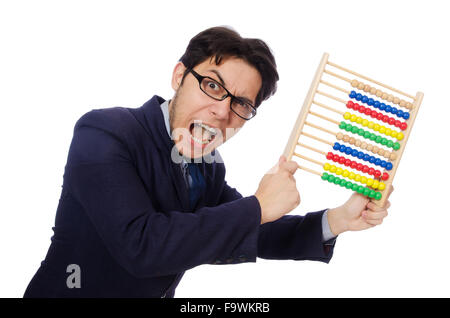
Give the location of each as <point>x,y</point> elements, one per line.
<point>293,237</point>
<point>102,178</point>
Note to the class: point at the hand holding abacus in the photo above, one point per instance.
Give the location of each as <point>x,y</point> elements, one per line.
<point>357,214</point>
<point>277,192</point>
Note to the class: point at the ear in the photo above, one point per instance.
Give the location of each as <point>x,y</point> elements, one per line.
<point>177,75</point>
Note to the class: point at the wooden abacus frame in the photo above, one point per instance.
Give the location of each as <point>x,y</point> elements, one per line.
<point>293,142</point>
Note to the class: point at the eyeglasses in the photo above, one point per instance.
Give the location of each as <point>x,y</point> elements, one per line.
<point>217,91</point>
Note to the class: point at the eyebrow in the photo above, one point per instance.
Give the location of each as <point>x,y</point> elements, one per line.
<point>245,99</point>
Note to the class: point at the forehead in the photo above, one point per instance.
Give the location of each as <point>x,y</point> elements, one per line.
<point>239,77</point>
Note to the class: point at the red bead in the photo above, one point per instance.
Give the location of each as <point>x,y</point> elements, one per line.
<point>398,123</point>
<point>391,121</point>
<point>365,169</point>
<point>362,109</point>
<point>353,165</point>
<point>374,114</point>
<point>330,155</point>
<point>379,116</point>
<point>385,176</point>
<point>377,173</point>
<point>359,166</point>
<point>341,160</point>
<point>336,158</point>
<point>348,162</point>
<point>385,118</point>
<point>368,111</point>
<point>350,104</point>
<point>403,126</point>
<point>371,171</point>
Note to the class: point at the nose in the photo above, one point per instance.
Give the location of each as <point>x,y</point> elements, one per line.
<point>221,109</point>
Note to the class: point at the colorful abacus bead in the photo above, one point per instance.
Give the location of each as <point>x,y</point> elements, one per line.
<point>353,186</point>
<point>381,106</point>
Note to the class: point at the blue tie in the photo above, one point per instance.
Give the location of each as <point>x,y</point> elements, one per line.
<point>197,184</point>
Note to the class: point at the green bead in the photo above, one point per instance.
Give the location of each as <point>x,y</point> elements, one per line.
<point>378,139</point>
<point>331,178</point>
<point>361,132</point>
<point>343,183</point>
<point>354,187</point>
<point>360,189</point>
<point>384,141</point>
<point>349,185</point>
<point>353,129</point>
<point>343,125</point>
<point>373,137</point>
<point>390,143</point>
<point>324,176</point>
<point>337,180</point>
<point>377,196</point>
<point>396,146</point>
<point>366,191</point>
<point>367,134</point>
<point>372,194</point>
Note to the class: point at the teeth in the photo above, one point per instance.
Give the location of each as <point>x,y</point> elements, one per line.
<point>200,141</point>
<point>206,127</point>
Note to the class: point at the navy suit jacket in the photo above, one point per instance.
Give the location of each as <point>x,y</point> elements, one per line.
<point>123,215</point>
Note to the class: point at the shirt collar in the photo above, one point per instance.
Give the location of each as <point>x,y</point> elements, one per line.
<point>165,111</point>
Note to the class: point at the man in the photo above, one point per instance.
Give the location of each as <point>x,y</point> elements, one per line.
<point>144,195</point>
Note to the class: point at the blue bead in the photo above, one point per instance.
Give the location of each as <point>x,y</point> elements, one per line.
<point>336,146</point>
<point>382,106</point>
<point>383,163</point>
<point>394,110</point>
<point>399,113</point>
<point>360,155</point>
<point>342,148</point>
<point>388,108</point>
<point>370,102</point>
<point>405,115</point>
<point>358,97</point>
<point>372,159</point>
<point>364,99</point>
<point>352,94</point>
<point>376,104</point>
<point>366,157</point>
<point>348,150</point>
<point>354,152</point>
<point>378,161</point>
<point>389,166</point>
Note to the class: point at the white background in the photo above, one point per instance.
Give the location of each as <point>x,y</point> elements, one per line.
<point>60,59</point>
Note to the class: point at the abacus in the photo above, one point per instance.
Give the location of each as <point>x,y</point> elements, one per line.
<point>363,160</point>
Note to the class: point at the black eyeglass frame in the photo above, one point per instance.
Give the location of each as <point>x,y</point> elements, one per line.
<point>232,97</point>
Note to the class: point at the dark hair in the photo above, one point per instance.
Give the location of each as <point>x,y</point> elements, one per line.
<point>221,43</point>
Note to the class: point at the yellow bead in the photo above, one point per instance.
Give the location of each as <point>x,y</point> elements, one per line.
<point>359,120</point>
<point>326,166</point>
<point>382,129</point>
<point>369,181</point>
<point>394,134</point>
<point>375,184</point>
<point>400,136</point>
<point>351,176</point>
<point>333,169</point>
<point>370,125</point>
<point>381,186</point>
<point>388,131</point>
<point>353,118</point>
<point>338,171</point>
<point>363,179</point>
<point>376,127</point>
<point>365,122</point>
<point>357,178</point>
<point>347,116</point>
<point>345,173</point>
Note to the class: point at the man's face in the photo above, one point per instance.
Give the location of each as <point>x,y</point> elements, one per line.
<point>199,123</point>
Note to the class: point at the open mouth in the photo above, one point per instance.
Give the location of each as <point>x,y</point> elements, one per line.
<point>202,134</point>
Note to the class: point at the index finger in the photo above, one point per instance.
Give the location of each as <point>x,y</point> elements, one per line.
<point>291,166</point>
